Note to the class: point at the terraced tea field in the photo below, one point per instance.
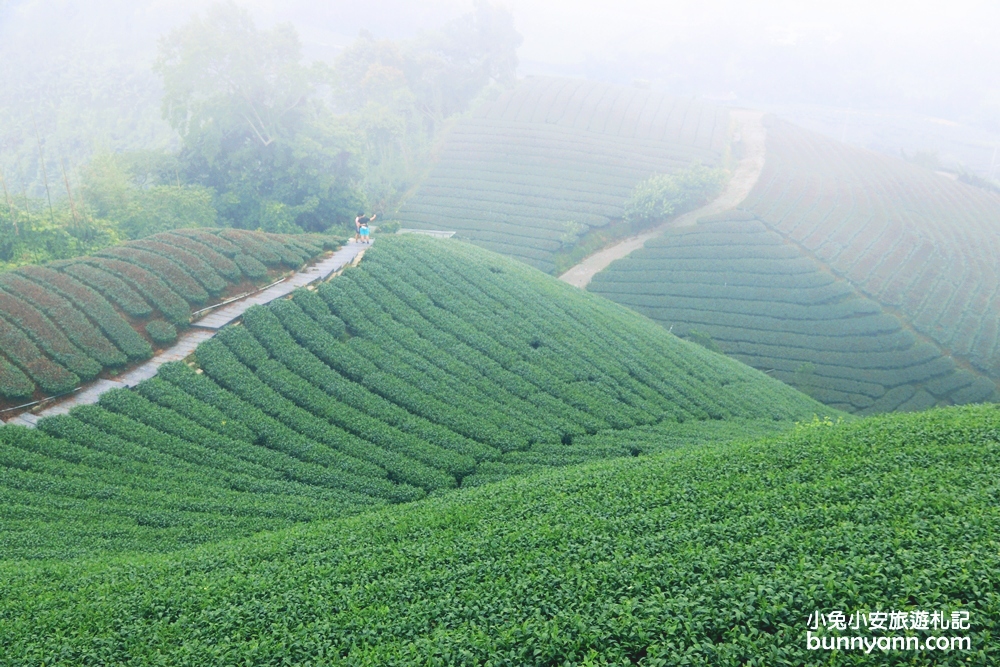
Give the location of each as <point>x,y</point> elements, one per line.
<point>530,173</point>
<point>68,322</point>
<point>863,280</point>
<point>706,556</point>
<point>432,365</point>
<point>767,304</point>
<point>909,238</point>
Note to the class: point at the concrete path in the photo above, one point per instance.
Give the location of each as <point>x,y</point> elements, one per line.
<point>219,318</point>
<point>750,134</point>
<point>200,331</point>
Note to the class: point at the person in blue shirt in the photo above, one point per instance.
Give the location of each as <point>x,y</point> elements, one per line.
<point>362,219</point>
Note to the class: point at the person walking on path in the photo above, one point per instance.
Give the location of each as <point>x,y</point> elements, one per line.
<point>363,230</point>
<point>360,221</point>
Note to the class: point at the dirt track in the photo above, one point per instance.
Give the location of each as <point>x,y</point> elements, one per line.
<point>751,134</point>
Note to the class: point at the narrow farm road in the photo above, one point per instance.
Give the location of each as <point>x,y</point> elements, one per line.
<point>751,134</point>
<point>201,330</point>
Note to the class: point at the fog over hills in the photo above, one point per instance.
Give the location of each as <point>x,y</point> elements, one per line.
<point>917,78</point>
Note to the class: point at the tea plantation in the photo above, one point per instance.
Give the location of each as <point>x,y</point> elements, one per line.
<point>67,322</point>
<point>914,240</point>
<point>532,172</point>
<point>432,365</point>
<point>768,304</point>
<point>713,555</point>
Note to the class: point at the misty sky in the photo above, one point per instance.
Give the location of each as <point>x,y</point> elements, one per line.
<point>856,64</point>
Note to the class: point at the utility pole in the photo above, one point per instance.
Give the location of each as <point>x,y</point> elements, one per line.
<point>45,175</point>
<point>993,161</point>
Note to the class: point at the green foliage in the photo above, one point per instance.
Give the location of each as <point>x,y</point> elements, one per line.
<point>703,339</point>
<point>78,329</point>
<point>137,211</point>
<point>897,232</point>
<point>662,196</point>
<point>400,94</point>
<point>755,297</point>
<point>161,332</point>
<point>36,236</point>
<point>59,323</point>
<point>712,555</point>
<point>431,365</point>
<point>253,129</point>
<point>513,171</point>
<point>975,180</point>
<point>389,227</point>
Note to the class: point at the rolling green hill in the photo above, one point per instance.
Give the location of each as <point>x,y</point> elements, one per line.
<point>533,171</point>
<point>712,555</point>
<point>433,364</point>
<point>67,322</point>
<point>764,302</point>
<point>861,279</point>
<point>911,239</point>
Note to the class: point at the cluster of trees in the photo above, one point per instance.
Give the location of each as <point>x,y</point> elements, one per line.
<point>268,141</point>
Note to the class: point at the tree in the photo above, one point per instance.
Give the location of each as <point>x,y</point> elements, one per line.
<point>401,93</point>
<point>128,192</point>
<point>252,127</point>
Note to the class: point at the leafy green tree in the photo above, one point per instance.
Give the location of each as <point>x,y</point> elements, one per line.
<point>136,203</point>
<point>401,94</point>
<point>252,126</point>
<point>32,235</point>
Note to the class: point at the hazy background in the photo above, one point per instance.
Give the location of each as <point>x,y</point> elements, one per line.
<point>891,76</point>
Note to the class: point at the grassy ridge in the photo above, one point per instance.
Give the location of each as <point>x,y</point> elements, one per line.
<point>712,555</point>
<point>769,306</point>
<point>432,365</point>
<point>531,173</point>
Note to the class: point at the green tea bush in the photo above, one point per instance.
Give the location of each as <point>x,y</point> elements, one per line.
<point>552,150</point>
<point>101,312</point>
<point>161,332</point>
<point>47,336</point>
<point>69,310</point>
<point>460,367</point>
<point>710,555</point>
<point>112,287</point>
<point>212,256</point>
<point>72,321</point>
<point>662,196</point>
<point>755,297</point>
<point>914,241</point>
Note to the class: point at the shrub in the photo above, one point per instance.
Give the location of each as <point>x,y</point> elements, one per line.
<point>662,196</point>
<point>162,333</point>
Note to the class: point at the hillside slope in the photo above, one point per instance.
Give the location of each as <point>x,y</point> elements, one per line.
<point>702,556</point>
<point>67,322</point>
<point>767,304</point>
<point>861,279</point>
<point>530,173</point>
<point>910,238</point>
<point>431,365</point>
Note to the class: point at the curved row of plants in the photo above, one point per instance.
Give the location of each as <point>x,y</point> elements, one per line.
<point>734,282</point>
<point>531,173</point>
<point>912,239</point>
<point>432,365</point>
<point>68,322</point>
<point>705,556</point>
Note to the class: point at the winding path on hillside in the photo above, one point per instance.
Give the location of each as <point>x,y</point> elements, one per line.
<point>200,330</point>
<point>750,134</point>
